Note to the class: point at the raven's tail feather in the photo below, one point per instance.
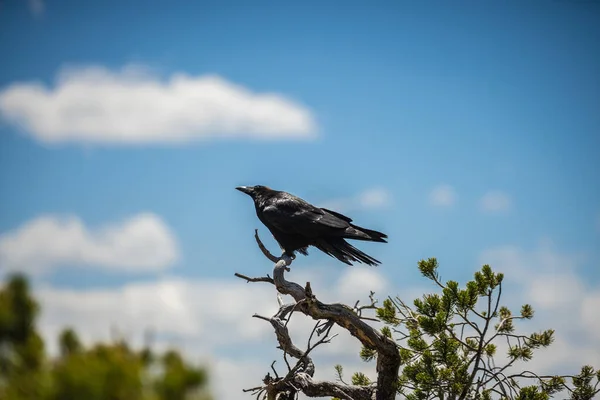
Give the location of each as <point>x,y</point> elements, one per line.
<point>344,251</point>
<point>359,233</point>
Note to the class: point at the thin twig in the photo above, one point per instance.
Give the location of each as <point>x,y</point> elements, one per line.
<point>267,278</point>
<point>273,369</point>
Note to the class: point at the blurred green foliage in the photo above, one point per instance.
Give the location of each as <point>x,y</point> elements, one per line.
<point>104,371</point>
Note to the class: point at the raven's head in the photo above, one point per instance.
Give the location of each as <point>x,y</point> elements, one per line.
<point>255,191</point>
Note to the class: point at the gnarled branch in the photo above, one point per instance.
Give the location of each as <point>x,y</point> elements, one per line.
<point>300,377</point>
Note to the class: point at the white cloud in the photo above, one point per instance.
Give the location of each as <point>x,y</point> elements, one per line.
<point>132,106</point>
<point>372,198</point>
<point>562,299</point>
<point>214,312</point>
<point>443,196</point>
<point>37,7</point>
<point>358,282</point>
<point>589,314</point>
<point>495,201</point>
<point>142,242</point>
<point>230,376</point>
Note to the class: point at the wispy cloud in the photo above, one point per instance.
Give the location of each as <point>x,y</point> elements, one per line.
<point>132,106</point>
<point>141,243</point>
<point>372,198</point>
<point>495,201</point>
<point>37,7</point>
<point>443,196</point>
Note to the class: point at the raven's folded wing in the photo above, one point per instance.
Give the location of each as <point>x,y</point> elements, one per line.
<point>295,216</point>
<point>337,214</point>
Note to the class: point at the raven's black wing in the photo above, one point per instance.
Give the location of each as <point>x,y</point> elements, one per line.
<point>293,215</point>
<point>337,214</point>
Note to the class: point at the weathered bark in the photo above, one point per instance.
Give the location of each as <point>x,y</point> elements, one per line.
<point>300,376</point>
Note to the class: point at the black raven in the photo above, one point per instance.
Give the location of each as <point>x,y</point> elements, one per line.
<point>296,224</point>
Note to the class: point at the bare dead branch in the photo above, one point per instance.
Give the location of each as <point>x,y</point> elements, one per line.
<point>267,278</point>
<point>299,378</point>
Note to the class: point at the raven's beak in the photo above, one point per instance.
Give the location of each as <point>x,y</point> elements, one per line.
<point>246,189</point>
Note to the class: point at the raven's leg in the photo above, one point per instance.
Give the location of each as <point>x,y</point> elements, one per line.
<point>286,252</point>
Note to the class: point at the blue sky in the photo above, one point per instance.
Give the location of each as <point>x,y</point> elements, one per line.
<point>432,106</point>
